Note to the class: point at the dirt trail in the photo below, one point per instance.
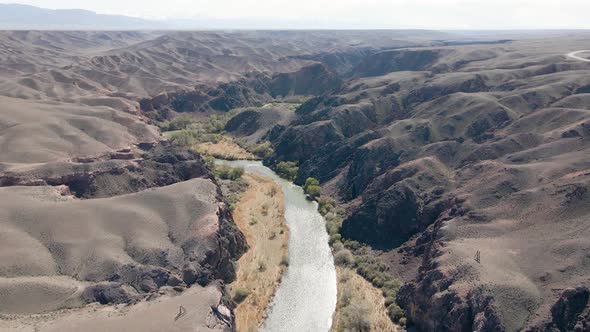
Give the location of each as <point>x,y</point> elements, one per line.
<point>574,55</point>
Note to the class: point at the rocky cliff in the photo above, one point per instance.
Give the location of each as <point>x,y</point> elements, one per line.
<point>442,155</point>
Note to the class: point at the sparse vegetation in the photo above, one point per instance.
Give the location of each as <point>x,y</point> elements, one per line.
<point>262,150</point>
<point>343,258</point>
<point>287,169</point>
<point>326,205</point>
<point>226,172</point>
<point>358,257</point>
<point>187,130</point>
<point>312,187</point>
<point>240,295</point>
<point>355,317</point>
<point>180,122</point>
<point>360,306</point>
<point>260,216</point>
<point>184,137</point>
<point>233,185</point>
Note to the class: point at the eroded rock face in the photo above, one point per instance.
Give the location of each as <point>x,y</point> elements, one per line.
<point>571,312</point>
<point>137,242</point>
<point>445,156</point>
<point>110,292</point>
<point>244,124</point>
<point>116,173</point>
<point>384,62</point>
<point>114,240</point>
<point>254,90</point>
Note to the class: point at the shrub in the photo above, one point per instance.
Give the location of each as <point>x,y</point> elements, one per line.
<point>216,123</point>
<point>228,173</point>
<point>240,295</point>
<point>326,205</point>
<point>343,258</point>
<point>209,162</point>
<point>184,137</point>
<point>337,246</point>
<point>403,321</point>
<point>312,187</point>
<point>287,169</point>
<point>345,298</point>
<point>313,191</point>
<point>335,238</point>
<point>311,182</point>
<point>178,123</point>
<point>261,150</point>
<point>355,317</point>
<point>395,312</point>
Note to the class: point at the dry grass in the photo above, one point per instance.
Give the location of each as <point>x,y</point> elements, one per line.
<point>226,148</point>
<point>355,292</point>
<point>260,215</point>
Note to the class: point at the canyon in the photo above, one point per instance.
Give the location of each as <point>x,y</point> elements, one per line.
<point>459,161</point>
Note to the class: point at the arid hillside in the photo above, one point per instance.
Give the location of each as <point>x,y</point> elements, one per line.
<point>96,205</point>
<point>461,165</point>
<point>467,169</point>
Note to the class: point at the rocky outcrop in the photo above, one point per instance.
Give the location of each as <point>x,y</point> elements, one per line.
<point>245,123</point>
<point>572,311</point>
<point>396,206</point>
<point>254,90</point>
<point>309,81</point>
<point>110,293</point>
<point>117,173</point>
<point>436,158</point>
<point>385,62</point>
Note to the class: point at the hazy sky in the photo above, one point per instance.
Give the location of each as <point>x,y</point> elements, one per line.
<point>437,14</point>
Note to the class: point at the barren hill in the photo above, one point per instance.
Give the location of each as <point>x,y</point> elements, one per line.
<point>442,148</point>
<point>444,153</point>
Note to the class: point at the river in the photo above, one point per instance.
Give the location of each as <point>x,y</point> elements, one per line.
<point>306,298</point>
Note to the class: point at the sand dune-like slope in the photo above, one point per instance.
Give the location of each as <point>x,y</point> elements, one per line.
<point>144,239</point>
<point>40,132</point>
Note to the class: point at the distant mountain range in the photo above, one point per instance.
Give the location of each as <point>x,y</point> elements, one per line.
<point>25,17</point>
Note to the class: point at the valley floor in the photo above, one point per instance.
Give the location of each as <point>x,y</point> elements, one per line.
<point>260,215</point>
<point>225,148</point>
